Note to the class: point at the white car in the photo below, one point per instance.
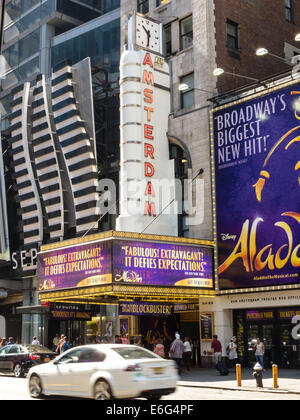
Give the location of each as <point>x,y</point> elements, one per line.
<point>105,371</point>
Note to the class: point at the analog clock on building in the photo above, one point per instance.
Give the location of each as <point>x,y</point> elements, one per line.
<point>148,34</point>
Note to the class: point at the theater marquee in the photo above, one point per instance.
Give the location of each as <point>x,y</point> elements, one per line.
<point>126,267</point>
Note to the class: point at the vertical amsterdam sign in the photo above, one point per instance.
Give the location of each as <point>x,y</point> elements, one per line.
<point>147,176</point>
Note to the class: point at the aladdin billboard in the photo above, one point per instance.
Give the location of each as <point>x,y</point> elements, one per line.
<point>256,145</point>
<point>125,262</point>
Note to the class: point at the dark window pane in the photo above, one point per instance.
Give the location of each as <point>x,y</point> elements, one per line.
<point>186,33</point>
<point>168,39</point>
<point>187,95</point>
<point>232,35</point>
<point>143,6</point>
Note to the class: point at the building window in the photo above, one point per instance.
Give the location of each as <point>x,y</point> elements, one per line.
<point>187,95</point>
<point>168,39</point>
<point>181,172</point>
<point>186,33</point>
<point>232,35</point>
<point>289,12</point>
<point>143,6</point>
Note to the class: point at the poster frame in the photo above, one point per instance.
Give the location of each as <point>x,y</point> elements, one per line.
<point>248,96</point>
<point>211,315</point>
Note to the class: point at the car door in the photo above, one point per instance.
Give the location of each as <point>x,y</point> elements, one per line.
<point>90,361</point>
<point>10,357</point>
<point>58,377</point>
<point>14,356</point>
<point>3,358</point>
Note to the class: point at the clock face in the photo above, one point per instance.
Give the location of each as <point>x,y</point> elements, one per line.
<point>148,34</point>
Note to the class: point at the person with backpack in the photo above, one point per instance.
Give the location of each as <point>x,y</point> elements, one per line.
<point>232,352</point>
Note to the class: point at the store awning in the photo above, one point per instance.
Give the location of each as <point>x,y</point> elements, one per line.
<point>32,310</point>
<point>114,293</point>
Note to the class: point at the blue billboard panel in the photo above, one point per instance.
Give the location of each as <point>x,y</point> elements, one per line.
<point>257,180</point>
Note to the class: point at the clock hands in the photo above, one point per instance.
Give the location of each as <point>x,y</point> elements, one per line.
<point>148,34</point>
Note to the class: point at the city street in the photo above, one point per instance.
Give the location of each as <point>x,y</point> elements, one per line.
<point>12,389</point>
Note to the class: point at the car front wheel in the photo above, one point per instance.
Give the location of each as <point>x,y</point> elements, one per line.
<point>102,391</point>
<point>18,371</point>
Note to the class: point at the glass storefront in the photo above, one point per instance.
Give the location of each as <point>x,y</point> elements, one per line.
<point>275,328</point>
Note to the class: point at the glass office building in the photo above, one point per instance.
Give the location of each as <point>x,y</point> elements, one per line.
<point>38,35</point>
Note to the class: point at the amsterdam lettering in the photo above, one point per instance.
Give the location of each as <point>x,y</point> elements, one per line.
<point>149,149</point>
<point>257,260</point>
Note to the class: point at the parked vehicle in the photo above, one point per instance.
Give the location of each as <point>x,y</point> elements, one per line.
<point>105,371</point>
<point>18,359</point>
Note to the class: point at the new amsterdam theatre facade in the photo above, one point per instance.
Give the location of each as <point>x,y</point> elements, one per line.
<point>124,283</point>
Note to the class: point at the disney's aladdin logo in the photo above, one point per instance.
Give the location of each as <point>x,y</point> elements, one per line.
<point>257,259</point>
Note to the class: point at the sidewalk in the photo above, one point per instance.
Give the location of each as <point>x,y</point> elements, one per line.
<point>288,380</point>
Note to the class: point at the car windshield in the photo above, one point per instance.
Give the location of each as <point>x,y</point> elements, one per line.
<point>37,349</point>
<point>129,353</point>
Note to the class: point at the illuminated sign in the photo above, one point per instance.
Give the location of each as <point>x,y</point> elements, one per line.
<point>125,262</point>
<point>24,260</point>
<point>147,175</point>
<point>259,315</point>
<point>162,264</point>
<point>145,308</point>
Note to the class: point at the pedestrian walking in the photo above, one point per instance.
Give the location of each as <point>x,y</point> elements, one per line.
<point>59,348</point>
<point>187,353</point>
<point>35,342</point>
<point>159,348</point>
<point>232,352</point>
<point>66,345</point>
<point>55,342</point>
<point>176,352</point>
<point>2,341</point>
<point>259,349</point>
<point>216,348</point>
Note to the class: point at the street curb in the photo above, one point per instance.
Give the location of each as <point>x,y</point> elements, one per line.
<point>230,388</point>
